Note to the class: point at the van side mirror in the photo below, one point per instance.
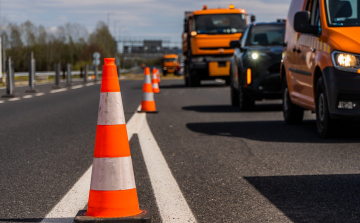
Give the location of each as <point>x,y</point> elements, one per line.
<point>234,44</point>
<point>301,23</point>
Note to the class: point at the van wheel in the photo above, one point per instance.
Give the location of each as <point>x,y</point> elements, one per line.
<point>326,126</point>
<point>234,95</point>
<point>245,102</point>
<point>293,114</point>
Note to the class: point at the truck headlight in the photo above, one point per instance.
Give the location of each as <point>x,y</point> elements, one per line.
<point>346,61</point>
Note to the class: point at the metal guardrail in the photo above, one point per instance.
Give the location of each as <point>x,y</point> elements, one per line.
<point>52,73</point>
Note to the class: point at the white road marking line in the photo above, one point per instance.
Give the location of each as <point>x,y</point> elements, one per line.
<point>2,102</point>
<point>89,84</point>
<point>77,86</point>
<point>39,94</point>
<point>28,96</point>
<point>14,99</point>
<point>58,90</point>
<point>77,197</point>
<point>171,203</point>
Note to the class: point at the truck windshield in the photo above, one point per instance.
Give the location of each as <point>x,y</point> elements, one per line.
<point>219,23</point>
<point>168,60</point>
<point>343,12</point>
<point>267,35</point>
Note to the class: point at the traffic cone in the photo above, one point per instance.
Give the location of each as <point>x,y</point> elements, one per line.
<point>113,196</point>
<point>158,75</point>
<point>148,103</point>
<point>155,82</point>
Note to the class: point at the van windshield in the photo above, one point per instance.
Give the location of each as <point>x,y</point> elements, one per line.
<point>220,23</point>
<point>343,12</point>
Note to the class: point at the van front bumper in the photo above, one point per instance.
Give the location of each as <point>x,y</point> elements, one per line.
<point>342,86</point>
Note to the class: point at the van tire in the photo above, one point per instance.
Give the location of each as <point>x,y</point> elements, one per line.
<point>234,96</point>
<point>326,126</point>
<point>245,102</point>
<point>293,114</point>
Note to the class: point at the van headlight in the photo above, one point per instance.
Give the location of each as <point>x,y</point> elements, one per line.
<point>346,61</point>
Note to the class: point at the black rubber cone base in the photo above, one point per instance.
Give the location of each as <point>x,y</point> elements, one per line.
<point>153,112</point>
<point>31,91</point>
<point>143,217</point>
<point>8,96</point>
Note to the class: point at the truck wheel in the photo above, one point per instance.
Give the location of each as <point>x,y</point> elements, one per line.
<point>227,81</point>
<point>326,126</point>
<point>164,73</point>
<point>234,95</point>
<point>194,81</point>
<point>293,114</point>
<point>245,102</point>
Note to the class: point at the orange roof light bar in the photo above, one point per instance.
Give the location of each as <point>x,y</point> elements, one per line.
<point>204,7</point>
<point>231,6</point>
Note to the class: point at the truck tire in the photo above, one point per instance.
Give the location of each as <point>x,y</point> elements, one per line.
<point>293,114</point>
<point>227,81</point>
<point>234,96</point>
<point>326,126</point>
<point>245,102</point>
<point>164,72</point>
<point>194,81</point>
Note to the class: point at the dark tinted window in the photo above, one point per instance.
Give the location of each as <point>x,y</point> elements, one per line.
<point>219,23</point>
<point>267,35</point>
<point>170,60</point>
<point>343,12</point>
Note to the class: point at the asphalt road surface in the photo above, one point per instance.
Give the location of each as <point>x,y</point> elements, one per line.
<point>230,166</point>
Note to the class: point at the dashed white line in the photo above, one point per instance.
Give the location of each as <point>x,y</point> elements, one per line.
<point>28,96</point>
<point>2,102</point>
<point>77,86</point>
<point>58,90</point>
<point>89,84</point>
<point>14,99</point>
<point>39,94</point>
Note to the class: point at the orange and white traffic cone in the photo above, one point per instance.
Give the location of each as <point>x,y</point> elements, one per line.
<point>148,102</point>
<point>158,75</point>
<point>155,82</point>
<point>113,194</point>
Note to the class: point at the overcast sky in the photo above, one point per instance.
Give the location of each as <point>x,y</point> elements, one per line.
<point>136,18</point>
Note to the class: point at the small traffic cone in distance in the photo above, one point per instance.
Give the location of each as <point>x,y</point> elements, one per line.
<point>158,75</point>
<point>155,82</point>
<point>148,102</point>
<point>113,196</point>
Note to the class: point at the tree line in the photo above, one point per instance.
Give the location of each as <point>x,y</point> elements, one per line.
<point>70,43</point>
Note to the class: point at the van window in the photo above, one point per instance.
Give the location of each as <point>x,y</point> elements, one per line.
<point>342,12</point>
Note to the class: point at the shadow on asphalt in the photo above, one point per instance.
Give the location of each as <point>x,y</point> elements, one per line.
<point>36,219</point>
<point>316,198</point>
<point>229,108</point>
<point>275,131</point>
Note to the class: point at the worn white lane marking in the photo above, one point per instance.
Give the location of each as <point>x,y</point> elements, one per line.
<point>2,102</point>
<point>77,197</point>
<point>89,84</point>
<point>171,202</point>
<point>77,86</point>
<point>14,99</point>
<point>39,94</point>
<point>28,96</point>
<point>58,90</point>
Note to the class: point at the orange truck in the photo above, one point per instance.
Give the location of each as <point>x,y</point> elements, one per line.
<point>205,42</point>
<point>170,64</point>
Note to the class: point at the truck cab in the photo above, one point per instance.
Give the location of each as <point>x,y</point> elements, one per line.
<point>170,64</point>
<point>206,37</point>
